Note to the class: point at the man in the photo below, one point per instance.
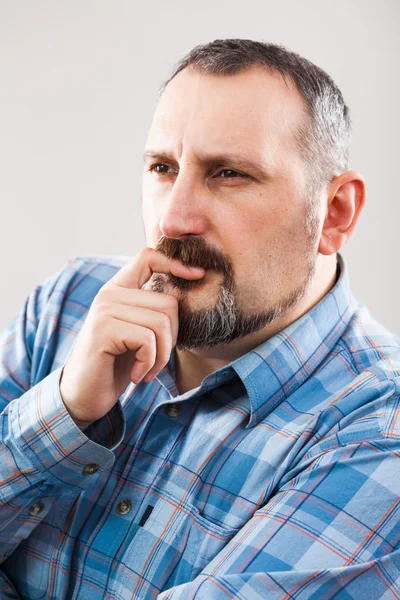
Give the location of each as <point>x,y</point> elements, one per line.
<point>217,417</point>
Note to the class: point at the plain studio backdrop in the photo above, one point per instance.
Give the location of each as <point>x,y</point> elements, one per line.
<point>79,82</point>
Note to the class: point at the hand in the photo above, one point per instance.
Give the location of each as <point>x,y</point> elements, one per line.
<point>128,335</point>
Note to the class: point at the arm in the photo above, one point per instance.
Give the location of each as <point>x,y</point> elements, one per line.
<point>42,452</point>
<point>332,531</point>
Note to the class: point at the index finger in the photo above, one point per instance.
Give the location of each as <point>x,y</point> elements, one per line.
<point>135,273</point>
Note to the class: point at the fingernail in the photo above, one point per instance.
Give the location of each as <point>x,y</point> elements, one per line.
<point>198,269</point>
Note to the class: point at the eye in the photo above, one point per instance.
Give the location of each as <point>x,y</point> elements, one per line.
<point>161,169</point>
<point>231,174</point>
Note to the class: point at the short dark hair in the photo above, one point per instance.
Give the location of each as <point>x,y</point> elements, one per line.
<point>323,139</point>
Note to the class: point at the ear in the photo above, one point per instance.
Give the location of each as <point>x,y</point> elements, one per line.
<point>345,202</point>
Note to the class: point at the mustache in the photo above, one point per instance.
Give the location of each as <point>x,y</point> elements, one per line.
<point>195,252</point>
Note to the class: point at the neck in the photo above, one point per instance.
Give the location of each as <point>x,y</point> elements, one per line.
<point>192,366</point>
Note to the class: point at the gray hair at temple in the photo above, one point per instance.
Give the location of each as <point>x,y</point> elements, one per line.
<point>323,138</point>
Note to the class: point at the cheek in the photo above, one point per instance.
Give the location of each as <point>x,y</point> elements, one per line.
<point>267,246</point>
<point>150,218</point>
<point>150,225</point>
<point>258,229</point>
<point>280,227</point>
<point>264,214</point>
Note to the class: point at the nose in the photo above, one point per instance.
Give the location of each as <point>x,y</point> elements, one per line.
<point>186,211</point>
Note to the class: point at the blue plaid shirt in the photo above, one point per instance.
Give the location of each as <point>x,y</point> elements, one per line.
<point>278,477</point>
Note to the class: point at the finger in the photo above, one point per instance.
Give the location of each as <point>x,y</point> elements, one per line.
<point>111,295</point>
<point>158,322</point>
<point>122,337</point>
<point>138,271</point>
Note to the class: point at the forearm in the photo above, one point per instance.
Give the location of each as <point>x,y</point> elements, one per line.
<point>43,456</point>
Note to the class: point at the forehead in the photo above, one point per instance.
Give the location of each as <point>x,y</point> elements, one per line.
<point>254,110</point>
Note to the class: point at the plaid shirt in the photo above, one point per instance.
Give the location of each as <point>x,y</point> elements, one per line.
<point>278,477</point>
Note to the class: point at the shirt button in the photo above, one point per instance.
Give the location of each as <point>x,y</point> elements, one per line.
<point>172,410</point>
<point>36,509</point>
<point>124,507</point>
<point>90,469</point>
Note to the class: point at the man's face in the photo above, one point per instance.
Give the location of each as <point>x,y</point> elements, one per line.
<point>225,187</point>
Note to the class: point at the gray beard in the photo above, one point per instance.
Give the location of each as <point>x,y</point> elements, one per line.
<point>224,322</point>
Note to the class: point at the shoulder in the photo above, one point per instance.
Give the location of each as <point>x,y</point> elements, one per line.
<point>365,404</point>
<point>73,288</point>
<point>57,309</point>
<point>371,347</point>
<point>41,335</point>
<point>82,277</point>
<point>83,274</point>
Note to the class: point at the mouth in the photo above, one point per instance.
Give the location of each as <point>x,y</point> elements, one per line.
<point>194,251</point>
<point>186,285</point>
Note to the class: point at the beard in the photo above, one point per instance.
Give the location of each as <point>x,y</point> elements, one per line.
<point>225,321</point>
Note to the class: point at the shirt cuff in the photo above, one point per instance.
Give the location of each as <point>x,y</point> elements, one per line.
<point>109,430</point>
<point>45,433</point>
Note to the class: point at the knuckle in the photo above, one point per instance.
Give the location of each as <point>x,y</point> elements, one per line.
<point>103,296</point>
<point>163,322</point>
<point>149,356</point>
<point>145,253</point>
<point>170,301</point>
<point>100,316</point>
<point>102,307</point>
<point>97,319</point>
<point>163,359</point>
<point>149,338</point>
<point>164,351</point>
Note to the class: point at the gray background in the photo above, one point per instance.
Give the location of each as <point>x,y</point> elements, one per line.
<point>79,83</point>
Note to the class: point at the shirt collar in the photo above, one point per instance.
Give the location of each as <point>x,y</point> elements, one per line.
<point>275,369</point>
<point>279,366</point>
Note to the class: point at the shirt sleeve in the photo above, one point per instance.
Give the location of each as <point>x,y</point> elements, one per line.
<point>332,531</point>
<point>43,454</point>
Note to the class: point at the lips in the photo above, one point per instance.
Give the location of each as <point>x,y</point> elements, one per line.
<point>195,252</point>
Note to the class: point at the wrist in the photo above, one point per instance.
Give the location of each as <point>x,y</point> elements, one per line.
<point>81,424</point>
<point>78,422</point>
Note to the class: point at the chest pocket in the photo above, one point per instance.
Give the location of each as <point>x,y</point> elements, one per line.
<point>204,541</point>
<point>171,547</point>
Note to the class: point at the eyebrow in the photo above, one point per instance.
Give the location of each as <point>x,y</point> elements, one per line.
<point>238,160</point>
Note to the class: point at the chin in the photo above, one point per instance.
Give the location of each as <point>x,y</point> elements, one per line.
<point>203,295</point>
